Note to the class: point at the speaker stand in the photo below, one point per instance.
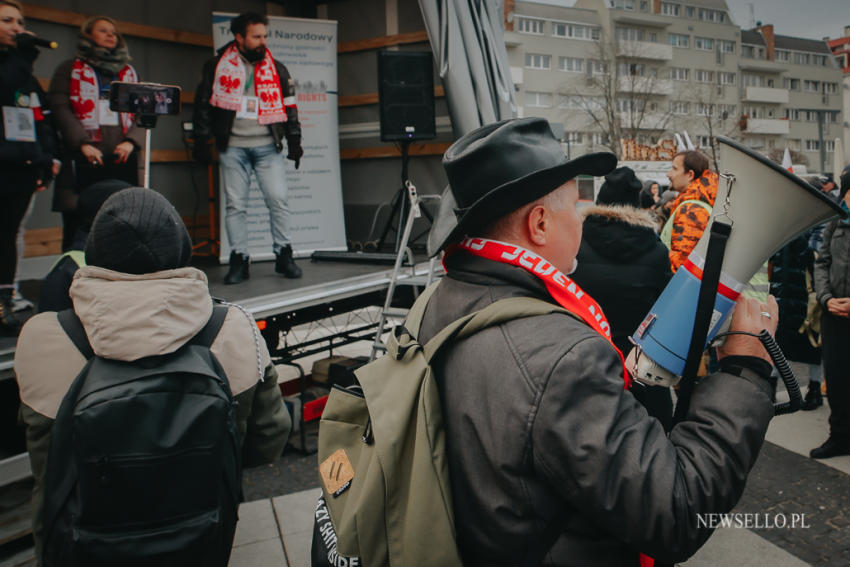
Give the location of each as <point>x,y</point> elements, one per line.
<point>399,204</point>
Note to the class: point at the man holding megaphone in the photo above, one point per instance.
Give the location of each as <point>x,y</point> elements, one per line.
<point>551,460</point>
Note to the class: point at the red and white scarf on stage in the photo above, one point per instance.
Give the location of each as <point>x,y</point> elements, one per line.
<point>563,289</point>
<point>229,86</point>
<point>85,93</point>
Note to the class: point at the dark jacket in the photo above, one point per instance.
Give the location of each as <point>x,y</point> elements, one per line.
<point>624,266</point>
<point>788,285</point>
<point>123,324</point>
<point>16,85</point>
<point>213,122</point>
<point>832,268</point>
<point>74,136</point>
<point>539,429</point>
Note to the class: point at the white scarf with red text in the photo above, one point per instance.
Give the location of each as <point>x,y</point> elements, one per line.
<point>229,85</point>
<point>563,289</point>
<point>84,93</point>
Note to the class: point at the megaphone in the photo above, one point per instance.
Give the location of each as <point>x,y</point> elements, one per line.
<point>767,207</point>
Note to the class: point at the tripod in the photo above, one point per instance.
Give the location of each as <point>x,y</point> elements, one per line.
<point>399,203</point>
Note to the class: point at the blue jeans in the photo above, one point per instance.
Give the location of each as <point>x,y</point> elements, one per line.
<point>236,166</point>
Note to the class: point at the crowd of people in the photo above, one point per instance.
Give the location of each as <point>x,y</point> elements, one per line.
<point>546,432</point>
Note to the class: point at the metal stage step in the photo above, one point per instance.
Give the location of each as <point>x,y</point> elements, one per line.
<point>341,256</point>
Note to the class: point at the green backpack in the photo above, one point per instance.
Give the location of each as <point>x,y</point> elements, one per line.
<point>386,498</point>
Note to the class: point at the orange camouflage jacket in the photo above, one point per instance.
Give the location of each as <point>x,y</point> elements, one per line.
<point>691,219</point>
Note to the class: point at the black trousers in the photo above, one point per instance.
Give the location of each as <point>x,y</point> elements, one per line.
<point>835,332</point>
<point>13,207</point>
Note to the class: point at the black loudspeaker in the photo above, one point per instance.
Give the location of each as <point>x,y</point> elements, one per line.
<point>406,95</point>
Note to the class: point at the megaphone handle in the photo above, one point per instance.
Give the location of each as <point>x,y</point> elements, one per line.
<point>718,237</point>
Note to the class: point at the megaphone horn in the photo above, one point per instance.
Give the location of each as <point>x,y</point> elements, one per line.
<point>767,207</point>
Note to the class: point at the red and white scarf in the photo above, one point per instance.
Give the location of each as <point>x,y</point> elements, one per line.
<point>563,289</point>
<point>85,93</point>
<point>229,86</point>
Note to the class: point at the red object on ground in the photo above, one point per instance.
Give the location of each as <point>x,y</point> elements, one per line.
<point>313,409</point>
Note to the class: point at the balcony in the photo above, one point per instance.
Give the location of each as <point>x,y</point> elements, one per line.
<point>762,65</point>
<point>645,50</point>
<point>516,75</point>
<point>766,94</point>
<point>767,126</point>
<point>645,85</point>
<point>649,121</point>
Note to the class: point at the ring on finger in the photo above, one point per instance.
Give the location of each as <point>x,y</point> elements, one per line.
<point>766,314</point>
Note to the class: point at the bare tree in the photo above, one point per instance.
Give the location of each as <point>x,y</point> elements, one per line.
<point>618,93</point>
<point>713,118</point>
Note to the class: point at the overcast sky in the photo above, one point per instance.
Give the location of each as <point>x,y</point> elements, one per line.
<point>813,19</point>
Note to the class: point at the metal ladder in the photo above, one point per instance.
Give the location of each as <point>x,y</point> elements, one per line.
<point>403,251</point>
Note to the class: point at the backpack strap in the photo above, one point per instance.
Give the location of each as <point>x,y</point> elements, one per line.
<point>207,335</point>
<point>73,327</point>
<point>494,314</point>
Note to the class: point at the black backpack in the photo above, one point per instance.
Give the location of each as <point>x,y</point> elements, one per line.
<point>144,464</point>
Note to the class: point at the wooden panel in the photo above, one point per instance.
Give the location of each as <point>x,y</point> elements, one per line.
<point>42,241</point>
<point>170,156</point>
<point>372,98</point>
<point>384,41</point>
<point>127,28</point>
<point>433,149</point>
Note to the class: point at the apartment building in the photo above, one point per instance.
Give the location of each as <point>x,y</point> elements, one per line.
<point>841,50</point>
<point>609,70</point>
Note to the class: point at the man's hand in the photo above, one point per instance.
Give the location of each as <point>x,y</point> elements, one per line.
<point>750,316</point>
<point>839,306</point>
<point>93,155</point>
<point>295,151</point>
<point>123,151</point>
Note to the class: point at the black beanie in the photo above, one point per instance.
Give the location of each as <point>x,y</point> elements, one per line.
<point>137,231</point>
<point>621,187</point>
<point>94,196</point>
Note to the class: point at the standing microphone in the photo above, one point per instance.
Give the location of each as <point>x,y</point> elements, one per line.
<point>24,39</point>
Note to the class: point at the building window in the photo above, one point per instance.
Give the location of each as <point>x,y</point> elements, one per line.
<point>628,34</point>
<point>527,25</point>
<point>680,73</point>
<point>571,64</point>
<point>631,69</point>
<point>704,109</point>
<point>576,31</point>
<point>690,12</point>
<point>599,139</point>
<point>811,86</point>
<point>537,61</point>
<point>727,110</point>
<point>708,15</point>
<point>829,145</point>
<point>726,46</point>
<point>725,78</point>
<point>597,67</point>
<point>538,100</point>
<point>751,80</point>
<point>704,43</point>
<point>679,40</point>
<point>801,58</point>
<point>791,84</point>
<point>573,137</point>
<point>783,55</point>
<point>630,105</point>
<point>670,9</point>
<point>680,107</point>
<point>704,76</point>
<point>624,4</point>
<point>704,141</point>
<point>793,144</point>
<point>748,51</point>
<point>812,145</point>
<point>830,88</point>
<point>754,111</point>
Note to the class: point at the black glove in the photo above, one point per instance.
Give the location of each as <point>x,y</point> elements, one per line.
<point>202,152</point>
<point>295,151</point>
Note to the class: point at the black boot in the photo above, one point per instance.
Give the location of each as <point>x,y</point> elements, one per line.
<point>10,326</point>
<point>238,271</point>
<point>813,399</point>
<point>284,264</point>
<point>833,447</point>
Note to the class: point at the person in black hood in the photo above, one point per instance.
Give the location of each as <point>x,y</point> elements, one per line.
<point>624,266</point>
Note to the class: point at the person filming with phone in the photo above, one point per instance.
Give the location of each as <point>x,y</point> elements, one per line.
<point>101,144</point>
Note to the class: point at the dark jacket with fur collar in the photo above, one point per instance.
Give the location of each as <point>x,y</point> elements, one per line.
<point>623,265</point>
